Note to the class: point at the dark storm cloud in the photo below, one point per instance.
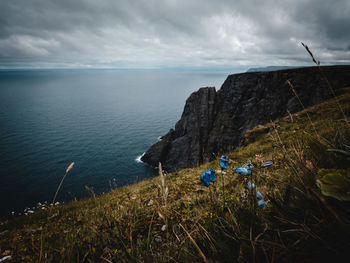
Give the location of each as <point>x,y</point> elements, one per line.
<point>147,33</point>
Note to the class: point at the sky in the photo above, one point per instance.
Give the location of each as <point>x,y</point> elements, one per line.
<point>172,33</point>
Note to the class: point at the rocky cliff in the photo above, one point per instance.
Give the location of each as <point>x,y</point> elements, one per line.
<point>213,122</point>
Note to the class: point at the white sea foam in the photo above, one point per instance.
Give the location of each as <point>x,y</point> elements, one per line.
<point>138,159</point>
<point>159,138</point>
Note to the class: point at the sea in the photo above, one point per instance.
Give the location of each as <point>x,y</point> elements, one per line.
<point>103,120</point>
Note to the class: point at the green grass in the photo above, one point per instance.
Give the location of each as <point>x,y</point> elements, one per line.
<point>299,223</point>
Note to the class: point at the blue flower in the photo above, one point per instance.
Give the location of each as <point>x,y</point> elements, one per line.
<point>267,164</point>
<point>251,185</point>
<point>243,171</point>
<point>208,176</point>
<point>248,166</point>
<point>223,162</point>
<point>261,203</point>
<point>259,195</point>
<point>261,200</point>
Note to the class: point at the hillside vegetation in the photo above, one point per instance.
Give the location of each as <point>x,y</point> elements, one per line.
<point>174,218</point>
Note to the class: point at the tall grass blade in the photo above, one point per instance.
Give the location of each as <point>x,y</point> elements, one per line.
<point>59,186</point>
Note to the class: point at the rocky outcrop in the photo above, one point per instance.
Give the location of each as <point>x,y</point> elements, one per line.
<point>213,122</point>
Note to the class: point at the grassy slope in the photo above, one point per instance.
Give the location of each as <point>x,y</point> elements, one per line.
<point>298,223</point>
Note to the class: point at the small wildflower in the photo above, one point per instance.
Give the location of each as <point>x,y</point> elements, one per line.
<point>309,165</point>
<point>259,158</point>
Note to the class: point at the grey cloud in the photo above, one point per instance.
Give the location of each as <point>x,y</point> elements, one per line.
<point>148,33</point>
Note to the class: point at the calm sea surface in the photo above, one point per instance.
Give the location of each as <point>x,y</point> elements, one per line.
<point>100,119</point>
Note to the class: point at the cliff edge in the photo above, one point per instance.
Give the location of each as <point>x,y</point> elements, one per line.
<point>214,122</point>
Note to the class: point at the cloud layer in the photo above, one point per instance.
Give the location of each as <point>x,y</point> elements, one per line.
<point>172,33</point>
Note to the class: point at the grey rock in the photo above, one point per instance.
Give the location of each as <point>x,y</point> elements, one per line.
<point>214,122</point>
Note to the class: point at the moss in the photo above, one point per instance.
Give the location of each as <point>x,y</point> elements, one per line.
<point>334,183</point>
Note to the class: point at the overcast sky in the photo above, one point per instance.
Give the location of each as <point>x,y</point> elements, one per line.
<point>172,33</point>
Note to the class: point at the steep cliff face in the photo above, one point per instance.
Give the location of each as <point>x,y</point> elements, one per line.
<point>213,122</point>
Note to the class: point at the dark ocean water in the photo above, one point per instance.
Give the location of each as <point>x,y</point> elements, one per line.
<point>100,119</point>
